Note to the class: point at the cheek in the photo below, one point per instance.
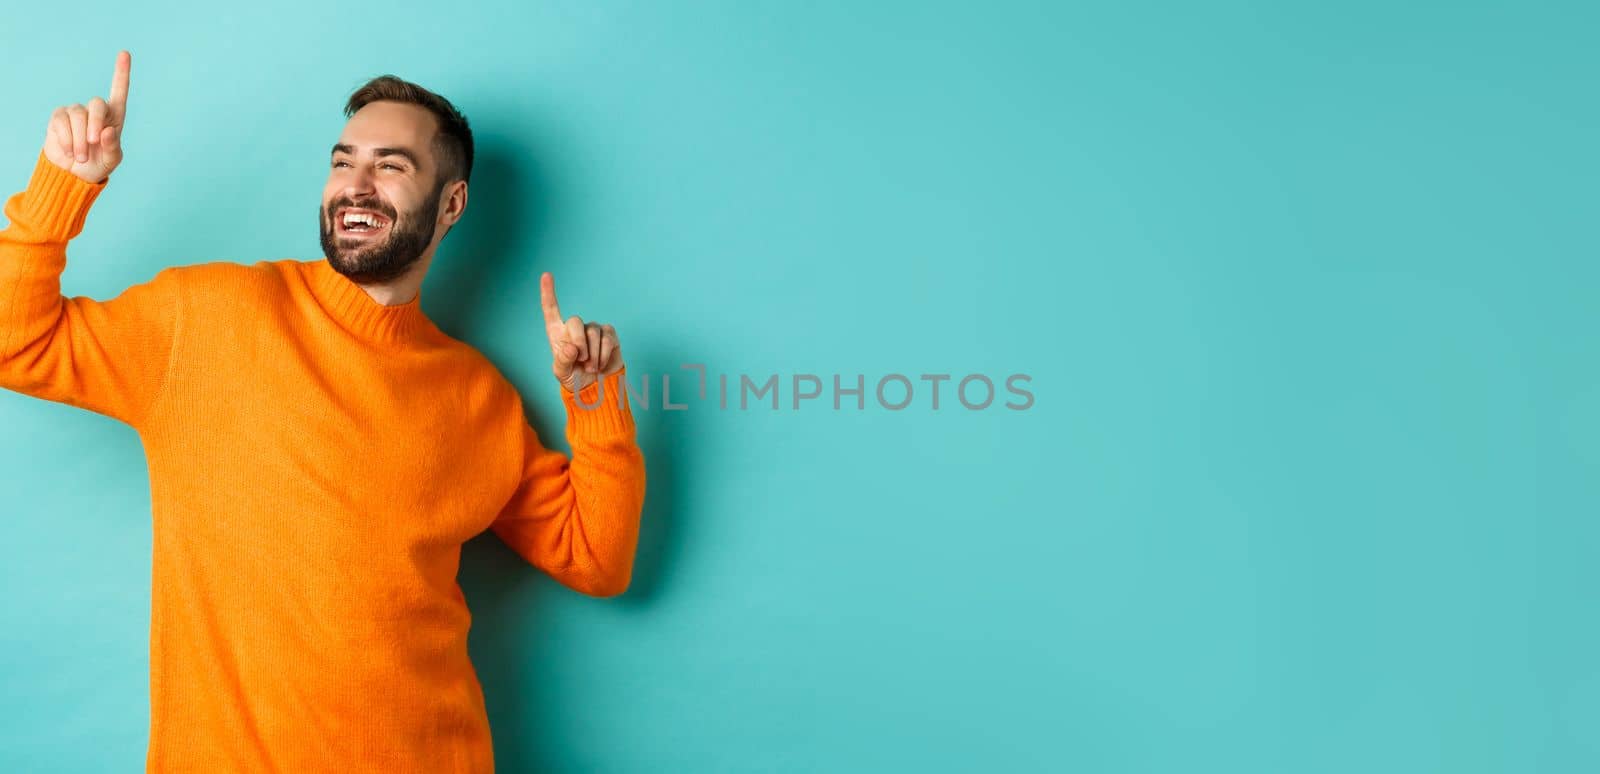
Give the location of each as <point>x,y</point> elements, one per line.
<point>398,200</point>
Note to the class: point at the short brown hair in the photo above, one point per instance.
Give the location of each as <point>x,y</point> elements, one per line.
<point>452,144</point>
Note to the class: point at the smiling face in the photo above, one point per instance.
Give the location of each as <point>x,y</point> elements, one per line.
<point>380,208</point>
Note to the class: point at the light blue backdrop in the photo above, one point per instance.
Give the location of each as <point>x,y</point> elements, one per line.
<point>1307,293</point>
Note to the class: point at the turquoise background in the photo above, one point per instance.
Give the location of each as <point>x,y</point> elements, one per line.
<point>1306,292</point>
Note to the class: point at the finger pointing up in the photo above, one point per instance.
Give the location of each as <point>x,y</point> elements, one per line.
<point>119,88</point>
<point>547,300</point>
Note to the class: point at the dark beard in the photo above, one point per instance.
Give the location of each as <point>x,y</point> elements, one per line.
<point>372,264</point>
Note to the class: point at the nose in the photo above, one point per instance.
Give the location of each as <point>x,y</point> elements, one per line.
<point>358,184</point>
<point>359,188</point>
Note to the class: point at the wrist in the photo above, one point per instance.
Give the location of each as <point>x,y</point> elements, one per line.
<point>599,408</point>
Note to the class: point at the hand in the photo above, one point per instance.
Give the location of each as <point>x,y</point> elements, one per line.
<point>583,353</point>
<point>86,140</point>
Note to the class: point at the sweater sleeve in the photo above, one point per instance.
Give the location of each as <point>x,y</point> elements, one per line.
<point>578,520</point>
<point>109,357</point>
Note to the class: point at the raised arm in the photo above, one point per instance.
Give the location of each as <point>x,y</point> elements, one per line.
<point>578,519</point>
<point>109,357</point>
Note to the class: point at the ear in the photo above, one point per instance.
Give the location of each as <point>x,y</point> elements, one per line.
<point>454,203</point>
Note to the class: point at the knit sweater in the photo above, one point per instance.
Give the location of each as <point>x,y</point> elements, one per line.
<point>316,461</point>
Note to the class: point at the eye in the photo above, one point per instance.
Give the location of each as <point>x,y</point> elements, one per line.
<point>337,163</point>
<point>390,166</point>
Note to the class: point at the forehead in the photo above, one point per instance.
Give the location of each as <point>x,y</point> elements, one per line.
<point>385,124</point>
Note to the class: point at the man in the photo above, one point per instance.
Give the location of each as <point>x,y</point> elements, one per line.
<point>319,451</point>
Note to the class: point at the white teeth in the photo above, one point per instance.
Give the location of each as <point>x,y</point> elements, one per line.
<point>351,218</point>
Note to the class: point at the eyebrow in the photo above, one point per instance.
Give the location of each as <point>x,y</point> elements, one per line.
<point>380,152</point>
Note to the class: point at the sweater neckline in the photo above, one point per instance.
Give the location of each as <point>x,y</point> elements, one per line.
<point>359,313</point>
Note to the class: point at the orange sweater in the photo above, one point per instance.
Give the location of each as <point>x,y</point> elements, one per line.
<point>316,461</point>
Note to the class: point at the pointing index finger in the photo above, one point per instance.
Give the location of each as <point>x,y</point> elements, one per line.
<point>547,299</point>
<point>119,84</point>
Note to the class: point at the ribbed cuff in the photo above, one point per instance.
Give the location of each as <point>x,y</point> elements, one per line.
<point>599,410</point>
<point>57,201</point>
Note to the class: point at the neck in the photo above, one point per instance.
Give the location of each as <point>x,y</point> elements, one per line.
<point>402,289</point>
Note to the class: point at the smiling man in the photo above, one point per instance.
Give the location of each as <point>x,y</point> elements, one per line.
<point>319,451</point>
<point>384,235</point>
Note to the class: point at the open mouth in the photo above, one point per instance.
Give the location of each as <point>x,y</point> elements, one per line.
<point>359,224</point>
